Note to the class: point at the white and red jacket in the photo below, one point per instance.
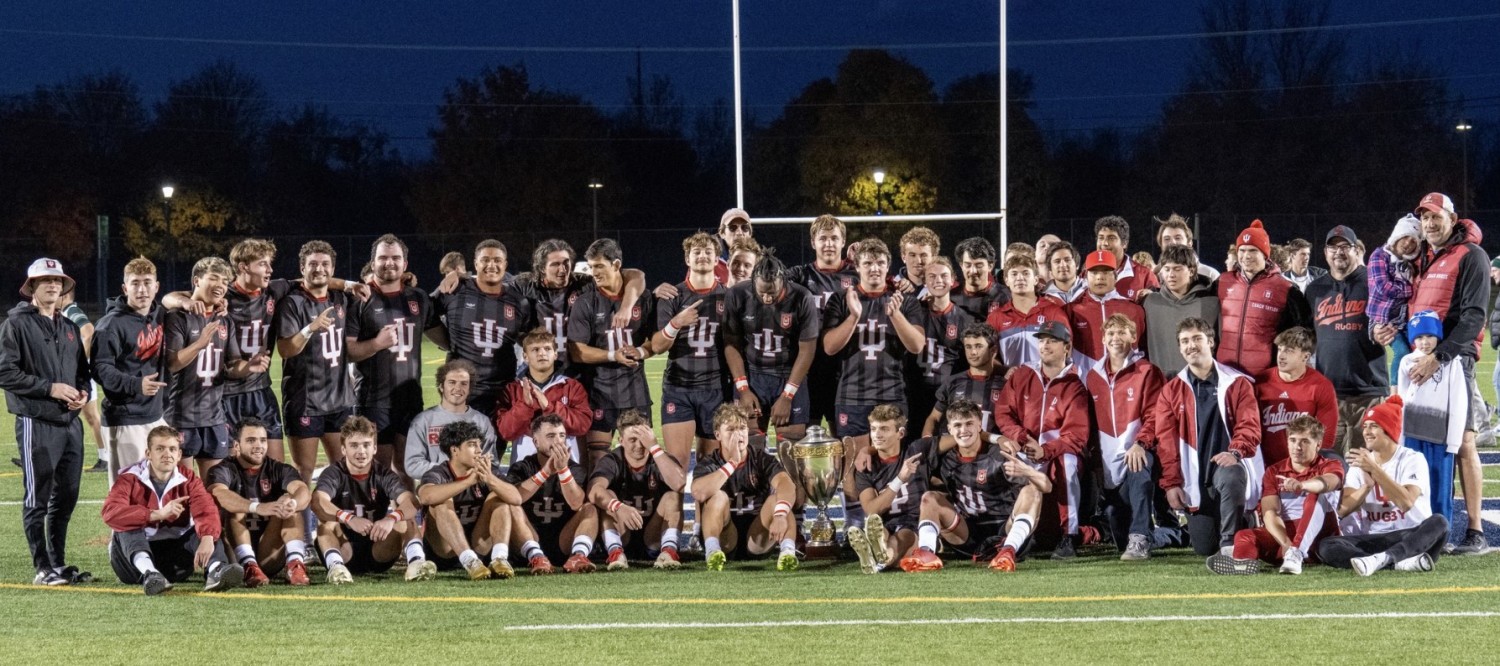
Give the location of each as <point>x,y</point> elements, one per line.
<point>1088,314</point>
<point>1017,341</point>
<point>1055,412</point>
<point>1281,401</point>
<point>1131,278</point>
<point>566,397</point>
<point>1177,432</point>
<point>1124,411</point>
<point>132,499</point>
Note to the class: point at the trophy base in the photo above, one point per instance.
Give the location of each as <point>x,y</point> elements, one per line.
<point>820,551</point>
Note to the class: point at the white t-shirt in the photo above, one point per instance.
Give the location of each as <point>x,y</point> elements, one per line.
<point>1378,515</point>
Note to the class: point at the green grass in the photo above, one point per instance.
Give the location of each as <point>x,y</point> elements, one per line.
<point>451,619</point>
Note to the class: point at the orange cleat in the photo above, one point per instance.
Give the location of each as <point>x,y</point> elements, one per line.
<point>921,559</point>
<point>1005,560</point>
<point>539,565</point>
<point>296,573</point>
<point>255,577</point>
<point>578,563</point>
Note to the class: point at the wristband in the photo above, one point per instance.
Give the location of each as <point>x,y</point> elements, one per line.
<point>306,332</point>
<point>253,507</point>
<point>728,468</point>
<point>782,508</point>
<point>614,504</point>
<point>396,516</point>
<point>896,485</point>
<point>344,516</point>
<point>790,390</point>
<point>540,477</point>
<point>566,476</point>
<point>656,450</point>
<point>641,351</point>
<point>611,356</point>
<point>671,331</point>
<point>741,384</point>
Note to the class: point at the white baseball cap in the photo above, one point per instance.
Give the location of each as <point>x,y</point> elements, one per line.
<point>42,268</point>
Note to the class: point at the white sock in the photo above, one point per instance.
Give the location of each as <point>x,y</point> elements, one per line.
<point>143,563</point>
<point>854,514</point>
<point>788,546</point>
<point>582,544</point>
<point>332,557</point>
<point>669,538</point>
<point>103,455</point>
<point>1020,530</point>
<point>531,549</point>
<point>927,535</point>
<point>245,554</point>
<point>500,552</point>
<point>296,550</point>
<point>612,541</point>
<point>711,545</point>
<point>414,551</point>
<point>468,558</point>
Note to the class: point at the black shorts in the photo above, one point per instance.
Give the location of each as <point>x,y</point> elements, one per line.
<point>547,535</point>
<point>315,425</point>
<point>258,404</point>
<point>206,443</point>
<point>767,389</point>
<point>605,418</point>
<point>362,555</point>
<point>681,405</point>
<point>743,522</point>
<point>854,420</point>
<point>448,563</point>
<point>984,537</point>
<point>392,422</point>
<point>901,521</point>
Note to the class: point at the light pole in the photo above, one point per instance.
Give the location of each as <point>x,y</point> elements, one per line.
<point>594,187</point>
<point>1463,128</point>
<point>166,213</point>
<point>879,185</point>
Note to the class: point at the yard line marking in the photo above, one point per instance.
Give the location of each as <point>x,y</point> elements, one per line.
<point>1100,619</point>
<point>687,601</point>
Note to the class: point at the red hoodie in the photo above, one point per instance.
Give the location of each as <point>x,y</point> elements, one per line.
<point>1054,412</point>
<point>133,498</point>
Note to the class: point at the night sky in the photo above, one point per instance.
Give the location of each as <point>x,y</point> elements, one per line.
<point>396,56</point>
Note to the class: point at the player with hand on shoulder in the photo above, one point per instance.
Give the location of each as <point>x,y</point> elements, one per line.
<point>553,516</point>
<point>638,490</point>
<point>360,532</point>
<point>890,492</point>
<point>262,500</point>
<point>468,506</point>
<point>734,487</point>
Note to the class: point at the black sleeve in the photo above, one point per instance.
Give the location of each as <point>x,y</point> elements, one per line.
<point>580,318</point>
<point>331,481</point>
<point>1298,312</point>
<point>606,469</point>
<point>438,475</point>
<point>666,308</point>
<point>288,319</point>
<point>708,465</point>
<point>1470,295</point>
<point>836,310</point>
<point>811,318</point>
<point>279,288</point>
<point>429,309</point>
<point>173,333</point>
<point>355,319</point>
<point>735,305</point>
<point>521,470</point>
<point>286,475</point>
<point>392,486</point>
<point>769,467</point>
<point>107,350</point>
<point>223,474</point>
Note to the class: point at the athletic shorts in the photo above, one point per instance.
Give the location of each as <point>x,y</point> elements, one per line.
<point>206,443</point>
<point>315,425</point>
<point>984,537</point>
<point>259,404</point>
<point>605,418</point>
<point>547,534</point>
<point>362,555</point>
<point>767,389</point>
<point>854,420</point>
<point>393,423</point>
<point>681,405</point>
<point>1479,415</point>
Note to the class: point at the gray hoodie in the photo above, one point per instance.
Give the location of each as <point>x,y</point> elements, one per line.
<point>1163,311</point>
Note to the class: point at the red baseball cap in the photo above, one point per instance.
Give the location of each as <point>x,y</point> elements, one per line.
<point>1100,259</point>
<point>1436,202</point>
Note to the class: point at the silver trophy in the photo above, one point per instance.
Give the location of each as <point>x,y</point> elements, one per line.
<point>816,465</point>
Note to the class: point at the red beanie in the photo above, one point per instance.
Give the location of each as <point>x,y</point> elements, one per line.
<point>1387,415</point>
<point>1255,236</point>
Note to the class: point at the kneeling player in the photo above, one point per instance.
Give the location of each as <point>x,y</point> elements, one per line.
<point>638,489</point>
<point>987,492</point>
<point>554,515</point>
<point>734,486</point>
<point>890,491</point>
<point>467,505</point>
<point>262,500</point>
<point>358,531</point>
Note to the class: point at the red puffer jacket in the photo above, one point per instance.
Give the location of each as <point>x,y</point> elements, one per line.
<point>1454,283</point>
<point>1252,312</point>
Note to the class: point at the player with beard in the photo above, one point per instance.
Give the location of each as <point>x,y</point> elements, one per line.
<point>468,506</point>
<point>483,319</point>
<point>734,486</point>
<point>637,489</point>
<point>827,275</point>
<point>890,492</point>
<point>981,292</point>
<point>360,531</point>
<point>557,286</point>
<point>384,339</point>
<point>986,492</point>
<point>979,384</point>
<point>771,328</point>
<point>261,502</point>
<point>554,515</point>
<point>943,323</point>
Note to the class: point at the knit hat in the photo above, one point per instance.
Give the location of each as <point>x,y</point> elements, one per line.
<point>1387,415</point>
<point>1406,226</point>
<point>1423,323</point>
<point>1255,236</point>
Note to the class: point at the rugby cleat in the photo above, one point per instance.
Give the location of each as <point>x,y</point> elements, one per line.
<point>921,559</point>
<point>787,561</point>
<point>861,546</point>
<point>617,560</point>
<point>75,575</point>
<point>579,563</point>
<point>477,570</point>
<point>875,532</point>
<point>225,577</point>
<point>338,574</point>
<point>255,576</point>
<point>296,574</point>
<point>502,569</point>
<point>1230,565</point>
<point>668,559</point>
<point>155,584</point>
<point>540,566</point>
<point>716,560</point>
<point>1005,560</point>
<point>421,570</point>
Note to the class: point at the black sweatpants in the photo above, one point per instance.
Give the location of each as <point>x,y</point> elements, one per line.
<point>172,557</point>
<point>1428,536</point>
<point>1221,512</point>
<point>51,466</point>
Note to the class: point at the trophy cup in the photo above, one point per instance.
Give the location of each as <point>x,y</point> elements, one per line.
<point>816,465</point>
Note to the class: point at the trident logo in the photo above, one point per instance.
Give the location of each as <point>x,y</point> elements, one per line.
<point>871,337</point>
<point>207,367</point>
<point>701,336</point>
<point>333,346</point>
<point>489,337</point>
<point>558,329</point>
<point>545,512</point>
<point>766,342</point>
<point>405,333</point>
<point>619,338</point>
<point>252,337</point>
<point>934,356</point>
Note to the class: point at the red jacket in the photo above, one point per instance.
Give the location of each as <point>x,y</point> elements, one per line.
<point>1088,313</point>
<point>1454,283</point>
<point>1281,401</point>
<point>1131,278</point>
<point>133,498</point>
<point>566,397</point>
<point>1017,345</point>
<point>1252,313</point>
<point>1124,411</point>
<point>1053,412</point>
<point>1177,432</point>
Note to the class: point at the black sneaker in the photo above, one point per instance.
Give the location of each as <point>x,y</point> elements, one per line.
<point>75,576</point>
<point>1064,550</point>
<point>155,584</point>
<point>99,466</point>
<point>1473,544</point>
<point>15,461</point>
<point>224,577</point>
<point>49,578</point>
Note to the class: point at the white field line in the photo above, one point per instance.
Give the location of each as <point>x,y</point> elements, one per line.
<point>1098,619</point>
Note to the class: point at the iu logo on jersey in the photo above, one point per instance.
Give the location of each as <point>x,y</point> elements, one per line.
<point>619,338</point>
<point>701,336</point>
<point>786,320</point>
<point>934,356</point>
<point>981,476</point>
<point>545,511</point>
<point>333,346</point>
<point>871,338</point>
<point>252,337</point>
<point>765,342</point>
<point>207,367</point>
<point>405,334</point>
<point>488,336</point>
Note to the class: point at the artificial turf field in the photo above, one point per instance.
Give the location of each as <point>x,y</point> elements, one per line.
<point>1091,610</point>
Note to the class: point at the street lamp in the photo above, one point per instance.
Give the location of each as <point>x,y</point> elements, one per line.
<point>879,185</point>
<point>1463,128</point>
<point>594,186</point>
<point>166,213</point>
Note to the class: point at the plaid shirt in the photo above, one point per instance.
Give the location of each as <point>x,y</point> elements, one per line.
<point>1390,289</point>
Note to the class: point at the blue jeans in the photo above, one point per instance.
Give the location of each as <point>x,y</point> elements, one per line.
<point>1399,349</point>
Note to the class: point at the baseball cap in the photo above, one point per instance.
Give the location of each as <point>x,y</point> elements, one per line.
<point>1056,330</point>
<point>1099,259</point>
<point>733,214</point>
<point>1343,232</point>
<point>1436,202</point>
<point>45,267</point>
